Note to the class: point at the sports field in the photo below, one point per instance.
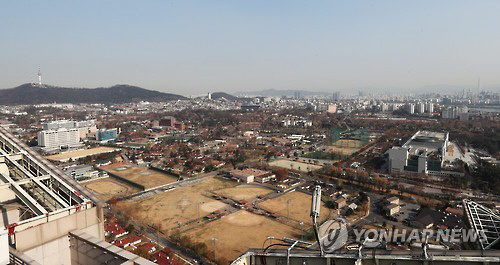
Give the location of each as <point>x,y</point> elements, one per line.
<point>300,206</point>
<point>345,147</point>
<point>238,232</point>
<point>106,188</point>
<point>141,175</point>
<point>294,165</point>
<point>63,157</point>
<point>244,192</point>
<point>178,206</point>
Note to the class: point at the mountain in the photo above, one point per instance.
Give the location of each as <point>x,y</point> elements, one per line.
<point>280,93</point>
<point>35,94</point>
<point>219,95</point>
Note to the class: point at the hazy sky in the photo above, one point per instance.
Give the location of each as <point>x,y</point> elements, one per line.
<point>192,47</point>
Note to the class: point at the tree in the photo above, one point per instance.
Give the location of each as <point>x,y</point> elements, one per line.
<point>281,174</point>
<point>200,248</point>
<point>142,253</point>
<point>363,197</point>
<point>130,228</point>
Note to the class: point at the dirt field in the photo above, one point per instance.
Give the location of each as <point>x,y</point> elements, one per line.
<point>304,167</point>
<point>106,188</point>
<point>345,147</point>
<point>140,175</point>
<point>177,206</point>
<point>300,207</point>
<point>238,232</point>
<point>245,192</point>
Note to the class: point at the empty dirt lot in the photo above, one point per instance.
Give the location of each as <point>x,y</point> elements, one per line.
<point>177,206</point>
<point>300,207</point>
<point>239,231</point>
<point>245,192</point>
<point>106,188</point>
<point>141,175</point>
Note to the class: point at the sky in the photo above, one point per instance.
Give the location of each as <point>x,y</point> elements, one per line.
<point>194,47</point>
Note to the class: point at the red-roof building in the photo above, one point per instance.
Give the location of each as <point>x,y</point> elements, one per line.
<point>149,247</point>
<point>129,241</point>
<point>112,229</point>
<point>163,258</point>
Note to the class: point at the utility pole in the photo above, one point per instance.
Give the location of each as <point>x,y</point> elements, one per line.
<point>199,205</point>
<point>214,239</point>
<point>288,209</point>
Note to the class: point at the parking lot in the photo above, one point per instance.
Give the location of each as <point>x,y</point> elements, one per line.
<point>407,210</point>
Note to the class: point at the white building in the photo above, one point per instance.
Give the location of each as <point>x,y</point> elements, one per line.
<point>84,127</point>
<point>429,107</point>
<point>420,107</point>
<point>58,139</point>
<point>384,107</point>
<point>454,112</point>
<point>392,209</point>
<point>332,108</point>
<point>423,152</point>
<point>410,108</point>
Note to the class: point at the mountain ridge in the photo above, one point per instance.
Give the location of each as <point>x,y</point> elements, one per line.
<point>31,93</point>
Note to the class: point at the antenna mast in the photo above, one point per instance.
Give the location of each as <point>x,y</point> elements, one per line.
<point>39,77</point>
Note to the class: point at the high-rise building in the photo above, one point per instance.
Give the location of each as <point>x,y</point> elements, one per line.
<point>410,108</point>
<point>84,127</point>
<point>384,107</point>
<point>420,107</point>
<point>429,107</point>
<point>454,112</point>
<point>61,138</point>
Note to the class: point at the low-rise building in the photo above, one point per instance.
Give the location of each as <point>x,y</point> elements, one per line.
<point>392,209</point>
<point>105,135</point>
<point>424,153</point>
<point>129,241</point>
<point>148,247</point>
<point>392,200</point>
<point>81,172</point>
<point>112,229</point>
<point>250,175</point>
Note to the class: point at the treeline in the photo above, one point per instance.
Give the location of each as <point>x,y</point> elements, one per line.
<point>199,248</point>
<point>486,178</point>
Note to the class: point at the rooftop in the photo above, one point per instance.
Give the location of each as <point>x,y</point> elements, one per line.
<point>249,172</point>
<point>426,140</point>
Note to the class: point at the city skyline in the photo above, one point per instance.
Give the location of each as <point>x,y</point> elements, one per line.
<point>191,48</point>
